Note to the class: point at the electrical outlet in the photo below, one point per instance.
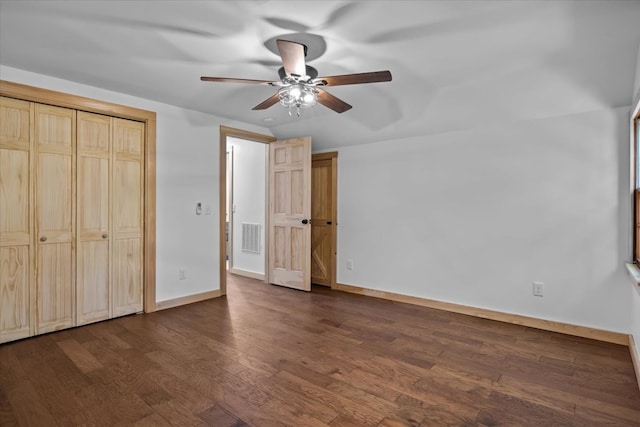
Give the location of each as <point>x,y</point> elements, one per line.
<point>349,264</point>
<point>538,289</point>
<point>182,274</point>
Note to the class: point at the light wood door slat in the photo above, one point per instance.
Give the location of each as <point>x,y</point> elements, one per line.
<point>128,211</point>
<point>55,217</point>
<point>16,220</point>
<point>93,273</point>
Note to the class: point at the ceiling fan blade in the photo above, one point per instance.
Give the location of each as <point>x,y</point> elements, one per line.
<point>232,80</point>
<point>354,79</point>
<point>272,100</point>
<point>332,102</point>
<point>292,55</point>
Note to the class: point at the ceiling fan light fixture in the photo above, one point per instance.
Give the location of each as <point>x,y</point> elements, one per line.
<point>298,95</point>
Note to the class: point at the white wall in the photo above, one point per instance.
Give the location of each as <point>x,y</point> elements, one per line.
<point>636,86</point>
<point>249,182</point>
<point>473,217</point>
<point>187,144</point>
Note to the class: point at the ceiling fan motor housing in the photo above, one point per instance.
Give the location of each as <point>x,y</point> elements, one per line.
<point>312,73</point>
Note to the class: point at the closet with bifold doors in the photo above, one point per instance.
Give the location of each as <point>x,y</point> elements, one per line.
<point>71,217</point>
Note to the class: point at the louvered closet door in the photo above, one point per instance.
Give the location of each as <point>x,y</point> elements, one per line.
<point>15,220</point>
<point>55,217</point>
<point>127,236</point>
<point>93,230</point>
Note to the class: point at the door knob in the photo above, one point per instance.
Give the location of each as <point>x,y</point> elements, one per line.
<point>328,222</point>
<point>43,239</point>
<point>104,236</point>
<point>305,221</point>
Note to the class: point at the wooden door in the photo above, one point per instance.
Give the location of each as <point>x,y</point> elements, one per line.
<point>93,200</point>
<point>127,234</point>
<point>289,213</point>
<point>323,218</point>
<point>16,245</point>
<point>55,217</point>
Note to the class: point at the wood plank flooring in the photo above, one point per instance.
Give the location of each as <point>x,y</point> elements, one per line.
<point>270,356</point>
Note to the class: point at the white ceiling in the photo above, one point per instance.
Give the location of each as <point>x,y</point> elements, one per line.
<point>455,64</point>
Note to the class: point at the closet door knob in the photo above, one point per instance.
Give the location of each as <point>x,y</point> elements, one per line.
<point>43,239</point>
<point>104,236</point>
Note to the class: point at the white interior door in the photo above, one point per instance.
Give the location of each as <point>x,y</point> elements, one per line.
<point>289,213</point>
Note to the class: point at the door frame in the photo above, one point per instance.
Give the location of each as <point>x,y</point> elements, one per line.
<point>229,206</point>
<point>225,132</point>
<point>59,99</point>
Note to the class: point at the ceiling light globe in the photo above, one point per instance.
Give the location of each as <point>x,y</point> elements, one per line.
<point>295,92</point>
<point>309,99</point>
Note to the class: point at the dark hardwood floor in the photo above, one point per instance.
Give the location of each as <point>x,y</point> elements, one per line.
<point>266,356</point>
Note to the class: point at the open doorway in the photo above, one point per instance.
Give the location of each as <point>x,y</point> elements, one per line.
<point>246,207</point>
<point>323,253</point>
<point>225,134</point>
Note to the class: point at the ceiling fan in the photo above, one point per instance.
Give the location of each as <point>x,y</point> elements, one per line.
<point>299,83</point>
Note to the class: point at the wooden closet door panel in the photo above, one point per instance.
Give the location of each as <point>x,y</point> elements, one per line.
<point>56,308</point>
<point>55,129</point>
<point>94,133</point>
<point>14,197</point>
<point>128,181</point>
<point>14,293</point>
<point>127,214</point>
<point>93,293</point>
<point>54,197</point>
<point>15,219</point>
<point>127,274</point>
<point>93,197</point>
<point>93,219</point>
<point>55,217</point>
<point>15,124</point>
<point>14,172</point>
